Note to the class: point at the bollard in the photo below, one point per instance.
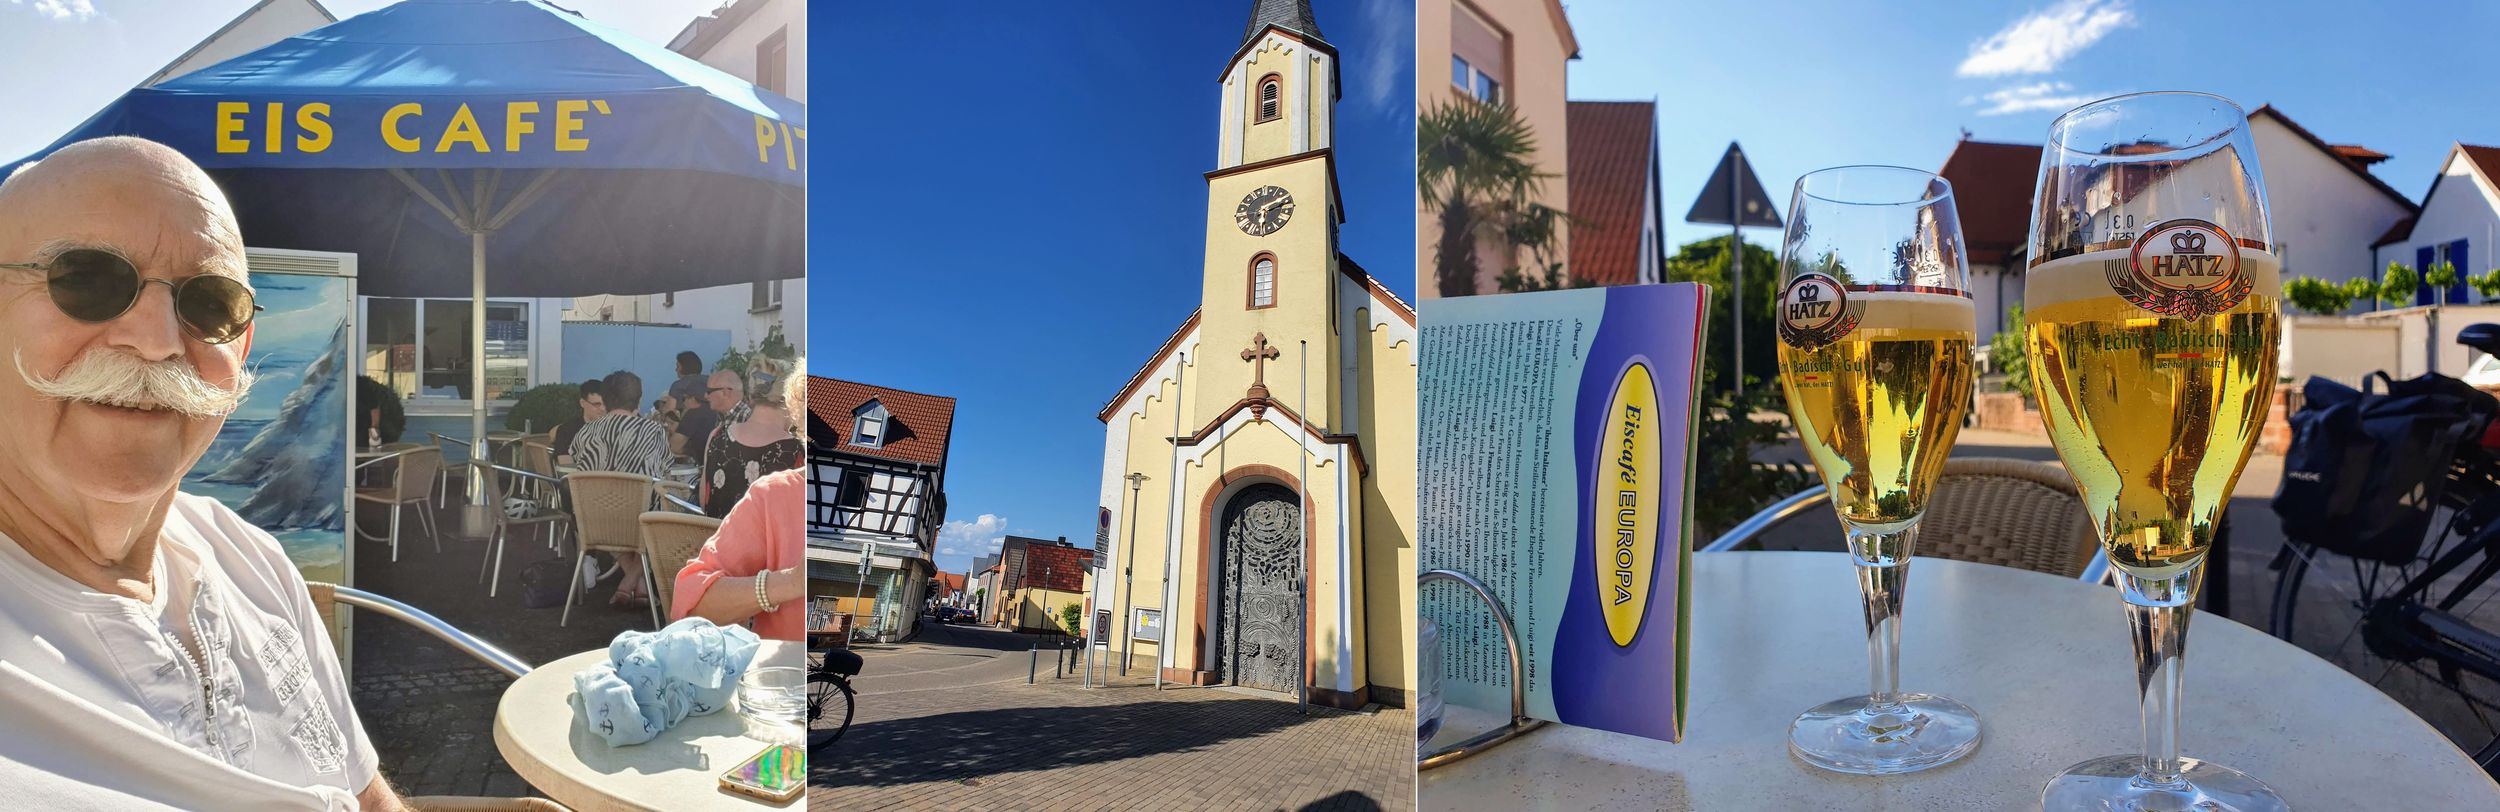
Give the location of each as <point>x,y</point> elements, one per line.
<point>1056,669</point>
<point>1030,671</point>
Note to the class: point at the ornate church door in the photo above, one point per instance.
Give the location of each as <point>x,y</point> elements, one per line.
<point>1262,609</point>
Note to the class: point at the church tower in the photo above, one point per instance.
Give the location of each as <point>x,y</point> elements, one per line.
<point>1258,489</point>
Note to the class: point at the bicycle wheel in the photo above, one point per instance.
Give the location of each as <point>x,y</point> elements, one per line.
<point>2324,603</point>
<point>828,694</point>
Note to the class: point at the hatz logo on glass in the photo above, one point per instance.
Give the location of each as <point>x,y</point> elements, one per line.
<point>1814,311</point>
<point>2182,269</point>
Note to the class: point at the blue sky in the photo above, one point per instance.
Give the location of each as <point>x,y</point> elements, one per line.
<point>1809,85</point>
<point>1017,217</point>
<point>92,51</point>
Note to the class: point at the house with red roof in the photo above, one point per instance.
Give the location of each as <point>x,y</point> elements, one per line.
<point>876,500</point>
<point>1617,228</point>
<point>2331,229</point>
<point>2459,223</point>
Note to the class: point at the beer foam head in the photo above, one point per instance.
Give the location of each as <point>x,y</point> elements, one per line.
<point>1908,310</point>
<point>2086,276</point>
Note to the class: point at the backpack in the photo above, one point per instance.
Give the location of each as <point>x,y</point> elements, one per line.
<point>543,584</point>
<point>2366,470</point>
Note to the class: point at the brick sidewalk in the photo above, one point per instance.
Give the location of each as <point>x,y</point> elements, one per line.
<point>948,723</point>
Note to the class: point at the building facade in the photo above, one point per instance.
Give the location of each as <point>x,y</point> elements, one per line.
<point>1272,529</point>
<point>1508,52</point>
<point>2325,230</point>
<point>2459,224</point>
<point>876,500</point>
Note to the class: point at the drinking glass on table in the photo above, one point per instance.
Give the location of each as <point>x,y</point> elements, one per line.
<point>1875,326</point>
<point>2152,303</point>
<point>773,701</point>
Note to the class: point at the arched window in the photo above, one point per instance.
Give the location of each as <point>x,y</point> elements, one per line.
<point>1271,91</point>
<point>1263,282</point>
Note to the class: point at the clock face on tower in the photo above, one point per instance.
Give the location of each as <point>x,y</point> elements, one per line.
<point>1263,211</point>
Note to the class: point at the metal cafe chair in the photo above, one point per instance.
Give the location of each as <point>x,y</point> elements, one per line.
<point>669,540</point>
<point>1990,510</point>
<point>606,510</point>
<point>326,599</point>
<point>415,471</point>
<point>442,480</point>
<point>498,521</point>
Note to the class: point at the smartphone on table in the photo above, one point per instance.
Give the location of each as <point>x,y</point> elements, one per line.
<point>777,774</point>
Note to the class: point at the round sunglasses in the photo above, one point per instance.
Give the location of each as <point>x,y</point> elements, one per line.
<point>95,286</point>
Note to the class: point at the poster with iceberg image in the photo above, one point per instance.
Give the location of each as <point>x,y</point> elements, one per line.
<point>282,459</point>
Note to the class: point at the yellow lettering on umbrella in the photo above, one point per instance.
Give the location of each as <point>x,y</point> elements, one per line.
<point>516,123</point>
<point>230,124</point>
<point>569,124</point>
<point>463,129</point>
<point>313,119</point>
<point>275,133</point>
<point>765,138</point>
<point>390,127</point>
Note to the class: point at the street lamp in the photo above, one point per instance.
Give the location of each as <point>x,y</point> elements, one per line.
<point>1128,556</point>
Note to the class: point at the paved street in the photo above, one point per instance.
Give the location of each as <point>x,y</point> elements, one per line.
<point>946,722</point>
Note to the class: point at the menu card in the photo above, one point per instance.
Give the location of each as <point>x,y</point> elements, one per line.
<point>1556,459</point>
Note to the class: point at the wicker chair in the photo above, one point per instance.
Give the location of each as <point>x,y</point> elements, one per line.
<point>669,540</point>
<point>498,523</point>
<point>606,507</point>
<point>2009,512</point>
<point>410,480</point>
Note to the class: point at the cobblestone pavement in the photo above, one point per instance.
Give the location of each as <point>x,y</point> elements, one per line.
<point>946,722</point>
<point>430,708</point>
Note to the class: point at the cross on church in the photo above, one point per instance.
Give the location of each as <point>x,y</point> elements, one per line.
<point>1258,355</point>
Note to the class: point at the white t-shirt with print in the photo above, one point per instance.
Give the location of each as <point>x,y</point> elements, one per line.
<point>224,693</point>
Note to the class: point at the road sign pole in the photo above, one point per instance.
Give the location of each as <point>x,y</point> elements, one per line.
<point>1736,263</point>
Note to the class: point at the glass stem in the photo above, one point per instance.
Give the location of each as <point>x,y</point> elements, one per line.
<point>1882,553</point>
<point>2158,609</point>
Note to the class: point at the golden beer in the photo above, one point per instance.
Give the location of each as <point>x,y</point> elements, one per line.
<point>2154,416</point>
<point>1879,408</point>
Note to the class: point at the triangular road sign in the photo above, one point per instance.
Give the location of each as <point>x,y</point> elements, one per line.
<point>1719,200</point>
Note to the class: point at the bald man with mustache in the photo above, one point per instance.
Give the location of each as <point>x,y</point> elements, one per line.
<point>155,650</point>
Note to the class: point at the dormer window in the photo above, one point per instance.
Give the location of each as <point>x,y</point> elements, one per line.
<point>1263,282</point>
<point>1271,98</point>
<point>870,425</point>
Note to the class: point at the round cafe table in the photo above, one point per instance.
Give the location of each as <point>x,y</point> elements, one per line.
<point>539,734</point>
<point>2043,659</point>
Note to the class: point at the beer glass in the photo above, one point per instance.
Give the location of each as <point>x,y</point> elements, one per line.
<point>1875,327</point>
<point>2152,306</point>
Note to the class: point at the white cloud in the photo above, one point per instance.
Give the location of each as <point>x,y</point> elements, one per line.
<point>979,537</point>
<point>2038,42</point>
<point>75,10</point>
<point>2050,96</point>
<point>1392,24</point>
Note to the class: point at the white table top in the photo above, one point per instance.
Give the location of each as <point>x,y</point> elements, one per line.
<point>2044,660</point>
<point>538,732</point>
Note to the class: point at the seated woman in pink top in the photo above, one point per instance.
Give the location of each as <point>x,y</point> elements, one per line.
<point>755,567</point>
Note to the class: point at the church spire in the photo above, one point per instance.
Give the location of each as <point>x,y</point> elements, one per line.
<point>1291,15</point>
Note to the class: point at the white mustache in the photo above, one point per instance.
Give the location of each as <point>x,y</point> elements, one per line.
<point>113,378</point>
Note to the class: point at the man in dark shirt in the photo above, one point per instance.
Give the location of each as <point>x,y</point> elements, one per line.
<point>594,406</point>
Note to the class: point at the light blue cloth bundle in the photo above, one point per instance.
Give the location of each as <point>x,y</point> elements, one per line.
<point>653,680</point>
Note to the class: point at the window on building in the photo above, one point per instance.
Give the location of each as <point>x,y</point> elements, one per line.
<point>772,62</point>
<point>1263,282</point>
<point>767,295</point>
<point>870,425</point>
<point>421,348</point>
<point>1271,98</point>
<point>1479,56</point>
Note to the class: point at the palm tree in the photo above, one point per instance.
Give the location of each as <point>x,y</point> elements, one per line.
<point>1474,162</point>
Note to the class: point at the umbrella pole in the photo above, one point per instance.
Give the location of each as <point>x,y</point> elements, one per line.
<point>477,362</point>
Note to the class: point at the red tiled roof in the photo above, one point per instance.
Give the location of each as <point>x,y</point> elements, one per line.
<point>1050,566</point>
<point>1611,154</point>
<point>2401,231</point>
<point>2359,154</point>
<point>950,582</point>
<point>1992,192</point>
<point>2486,160</point>
<point>921,426</point>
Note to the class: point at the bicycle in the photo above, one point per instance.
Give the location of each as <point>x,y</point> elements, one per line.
<point>830,677</point>
<point>2415,616</point>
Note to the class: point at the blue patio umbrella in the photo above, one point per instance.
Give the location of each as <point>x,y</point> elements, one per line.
<point>436,139</point>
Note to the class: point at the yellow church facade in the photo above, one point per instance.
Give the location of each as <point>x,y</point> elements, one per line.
<point>1258,485</point>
